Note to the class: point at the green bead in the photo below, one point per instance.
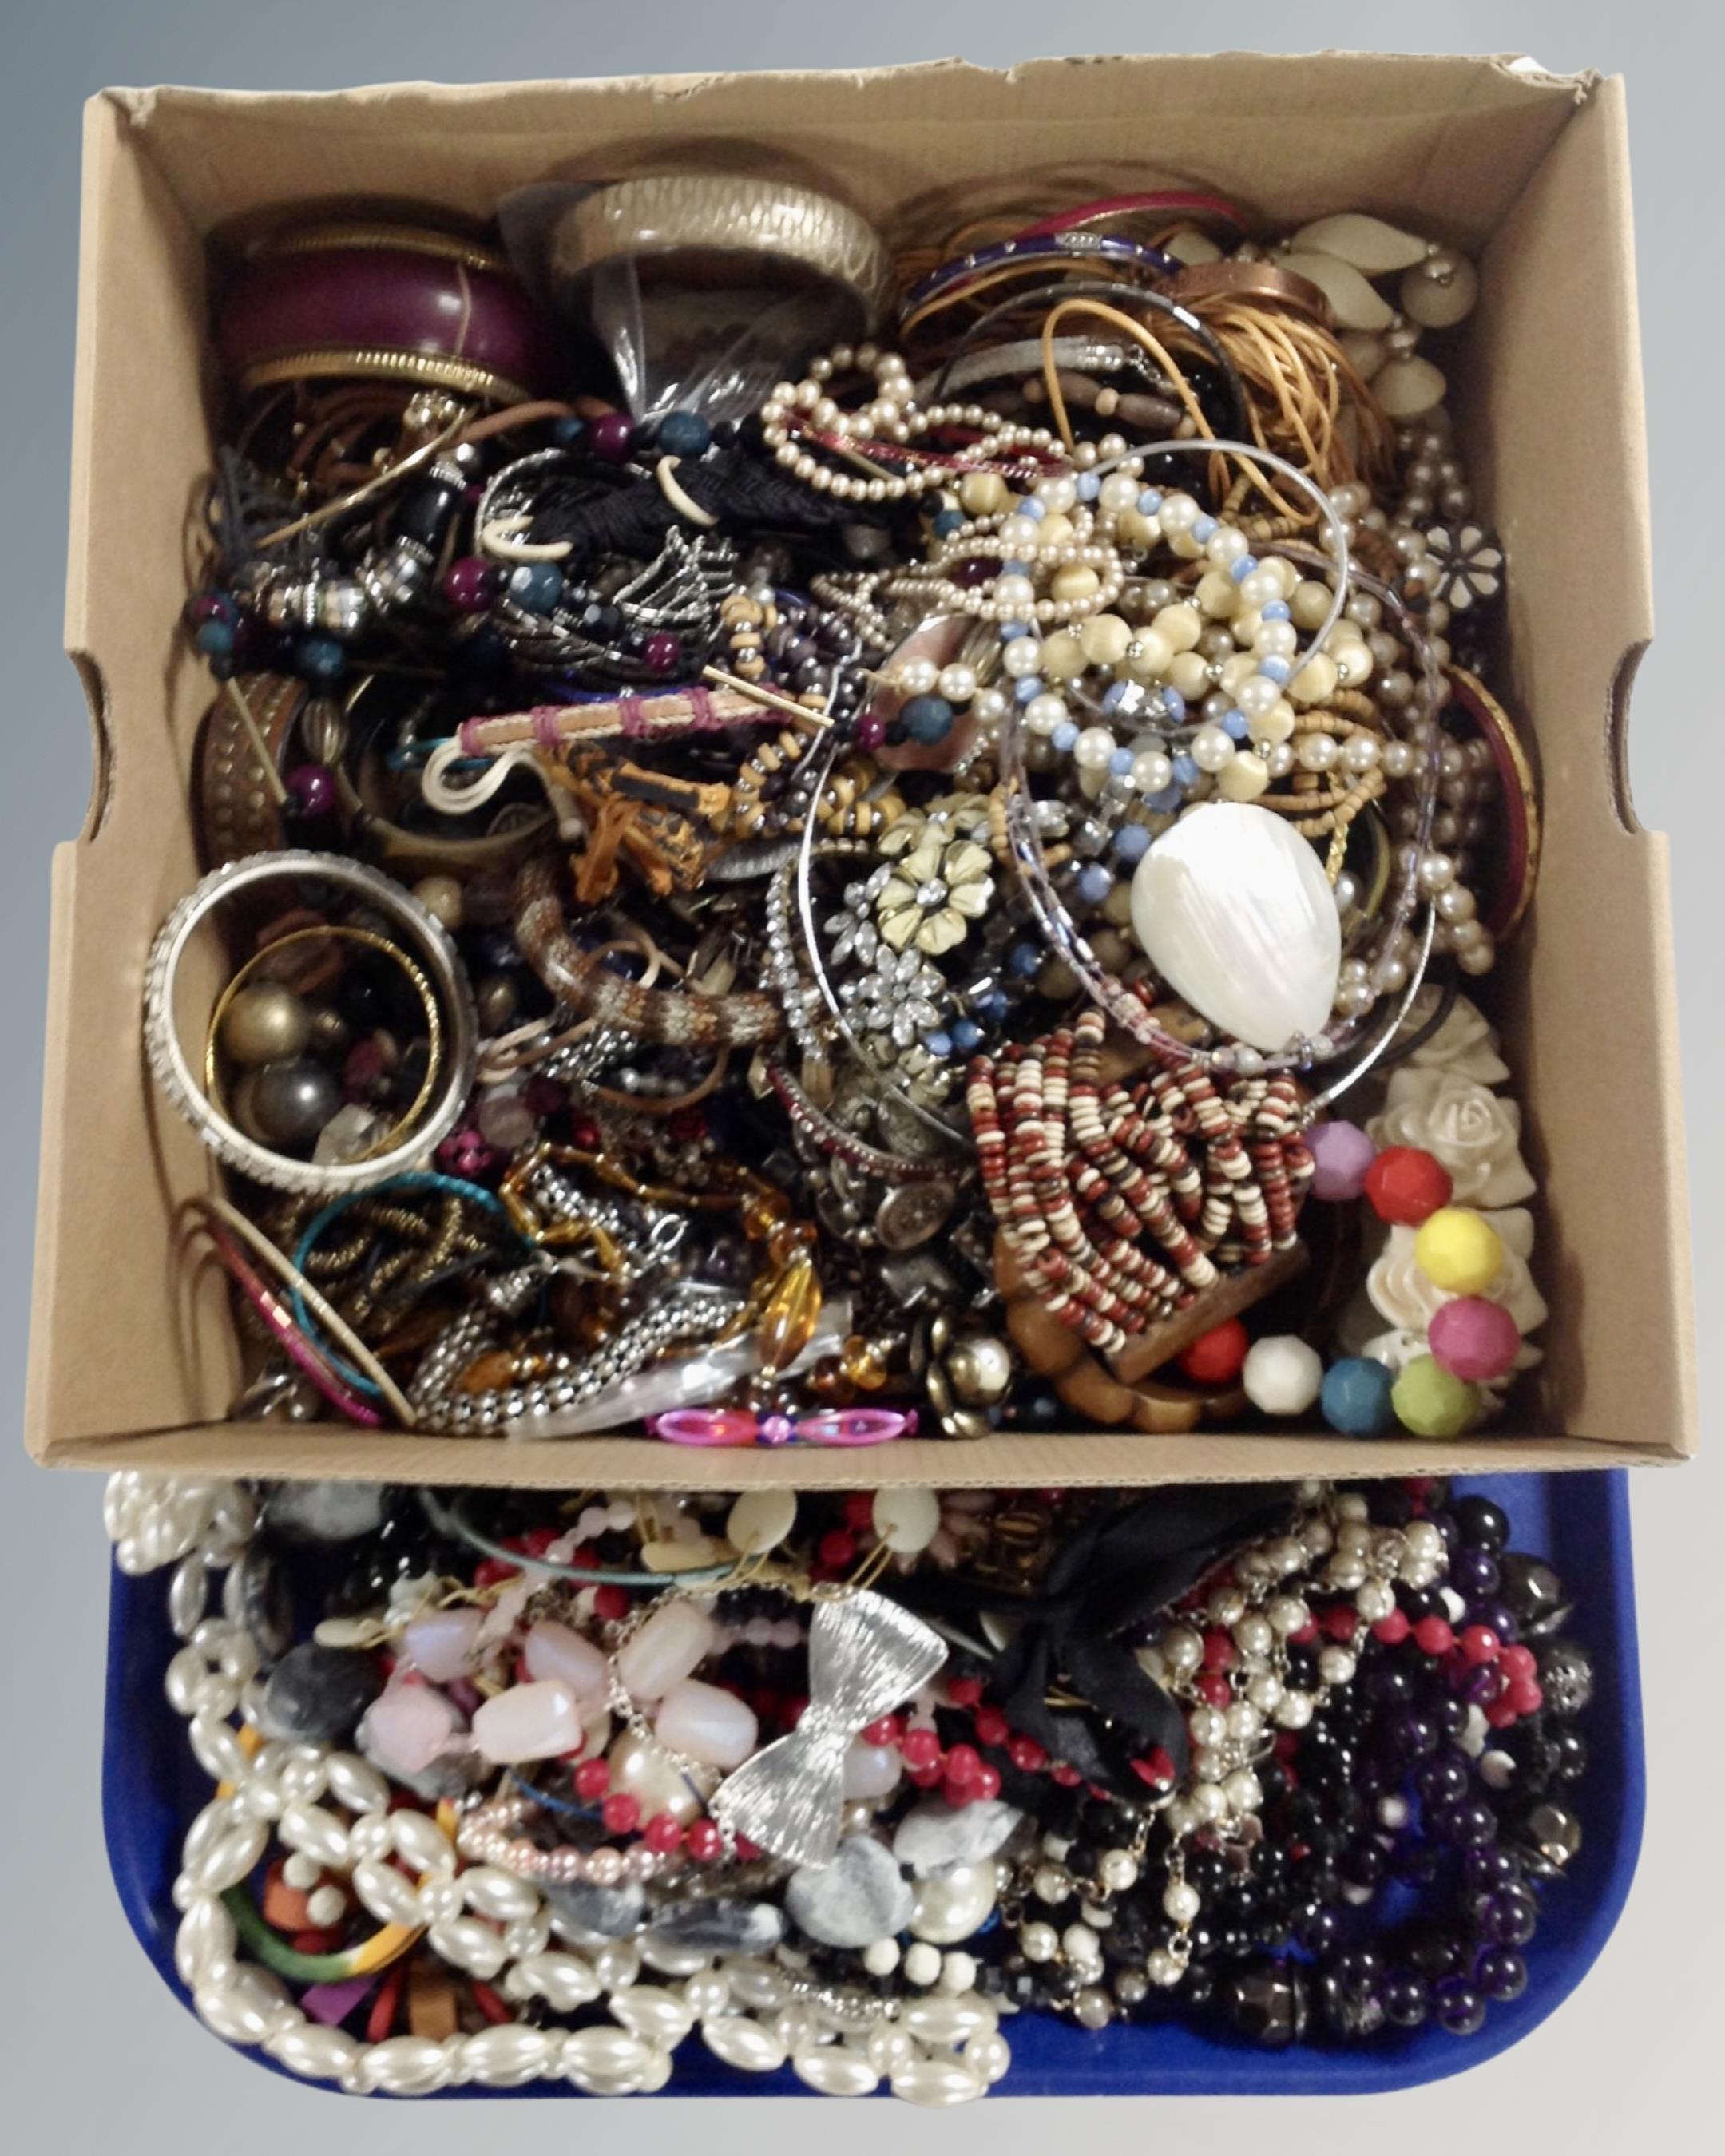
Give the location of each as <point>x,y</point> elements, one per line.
<point>1432,1403</point>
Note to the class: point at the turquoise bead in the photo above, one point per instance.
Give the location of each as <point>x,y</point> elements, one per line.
<point>1355,1397</point>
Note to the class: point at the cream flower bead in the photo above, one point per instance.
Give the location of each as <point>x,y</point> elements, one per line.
<point>1475,1133</point>
<point>1404,1297</point>
<point>1464,1044</point>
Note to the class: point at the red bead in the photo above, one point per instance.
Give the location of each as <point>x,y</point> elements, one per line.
<point>491,1571</point>
<point>1517,1662</point>
<point>593,1778</point>
<point>1479,1644</point>
<point>664,1834</point>
<point>1026,1754</point>
<point>987,1781</point>
<point>1156,1769</point>
<point>1340,1622</point>
<point>957,1794</point>
<point>1406,1185</point>
<point>962,1763</point>
<point>838,1549</point>
<point>1306,1634</point>
<point>965,1691</point>
<point>1392,1629</point>
<point>1525,1695</point>
<point>922,1748</point>
<point>611,1605</point>
<point>1069,1778</point>
<point>705,1841</point>
<point>662,653</point>
<point>859,1509</point>
<point>1502,1714</point>
<point>538,1541</point>
<point>1215,1357</point>
<point>1218,1650</point>
<point>620,1814</point>
<point>991,1726</point>
<point>883,1731</point>
<point>1213,1689</point>
<point>925,1778</point>
<point>747,1850</point>
<point>1434,1635</point>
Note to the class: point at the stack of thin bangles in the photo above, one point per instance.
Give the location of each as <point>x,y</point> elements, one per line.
<point>924,865</point>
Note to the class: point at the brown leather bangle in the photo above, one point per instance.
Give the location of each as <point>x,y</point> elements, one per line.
<point>1255,282</point>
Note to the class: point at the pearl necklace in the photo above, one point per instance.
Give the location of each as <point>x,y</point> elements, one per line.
<point>801,412</point>
<point>331,1808</point>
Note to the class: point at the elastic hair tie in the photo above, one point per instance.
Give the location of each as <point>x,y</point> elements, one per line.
<point>701,710</point>
<point>628,711</point>
<point>467,734</point>
<point>548,729</point>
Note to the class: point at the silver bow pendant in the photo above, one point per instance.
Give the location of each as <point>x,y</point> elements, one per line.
<point>866,1655</point>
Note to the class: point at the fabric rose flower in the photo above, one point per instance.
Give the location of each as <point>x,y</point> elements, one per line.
<point>1405,1298</point>
<point>1464,1044</point>
<point>1476,1134</point>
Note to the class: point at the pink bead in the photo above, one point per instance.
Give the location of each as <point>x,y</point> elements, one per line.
<point>556,1650</point>
<point>1474,1339</point>
<point>534,1721</point>
<point>407,1727</point>
<point>441,1643</point>
<point>1341,1153</point>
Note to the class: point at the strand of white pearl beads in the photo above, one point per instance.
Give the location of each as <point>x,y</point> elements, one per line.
<point>497,1926</point>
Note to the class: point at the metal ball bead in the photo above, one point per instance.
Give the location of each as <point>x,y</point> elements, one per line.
<point>981,1369</point>
<point>291,1101</point>
<point>266,1024</point>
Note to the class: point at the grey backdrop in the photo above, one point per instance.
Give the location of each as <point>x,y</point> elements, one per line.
<point>95,2051</point>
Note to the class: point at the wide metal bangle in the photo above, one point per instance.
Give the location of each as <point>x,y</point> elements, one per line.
<point>425,941</point>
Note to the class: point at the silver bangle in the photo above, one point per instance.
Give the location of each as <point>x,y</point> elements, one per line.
<point>426,942</point>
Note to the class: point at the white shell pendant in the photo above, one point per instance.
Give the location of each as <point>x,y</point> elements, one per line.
<point>1234,912</point>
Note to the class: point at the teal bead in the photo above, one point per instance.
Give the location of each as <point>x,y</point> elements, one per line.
<point>683,435</point>
<point>535,586</point>
<point>319,658</point>
<point>928,720</point>
<point>1355,1397</point>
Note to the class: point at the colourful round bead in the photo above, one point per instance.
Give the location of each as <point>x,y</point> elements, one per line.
<point>1459,1251</point>
<point>683,435</point>
<point>1341,1154</point>
<point>1474,1339</point>
<point>1215,1357</point>
<point>311,791</point>
<point>1355,1398</point>
<point>1430,1402</point>
<point>1405,1185</point>
<point>1282,1374</point>
<point>611,437</point>
<point>535,586</point>
<point>468,584</point>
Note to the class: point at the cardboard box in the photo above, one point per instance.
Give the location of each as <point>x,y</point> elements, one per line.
<point>1527,172</point>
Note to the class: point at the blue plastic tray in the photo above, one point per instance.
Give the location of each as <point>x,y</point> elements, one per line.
<point>152,1787</point>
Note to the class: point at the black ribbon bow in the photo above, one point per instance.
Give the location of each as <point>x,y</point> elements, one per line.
<point>1115,1570</point>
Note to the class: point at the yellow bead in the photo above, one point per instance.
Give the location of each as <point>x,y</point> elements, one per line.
<point>1217,595</point>
<point>1179,624</point>
<point>1315,681</point>
<point>791,1313</point>
<point>1063,658</point>
<point>1105,637</point>
<point>1147,657</point>
<point>1244,778</point>
<point>1054,530</point>
<point>982,493</point>
<point>1075,583</point>
<point>1459,1251</point>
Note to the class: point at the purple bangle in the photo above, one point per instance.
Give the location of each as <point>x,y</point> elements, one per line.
<point>737,1426</point>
